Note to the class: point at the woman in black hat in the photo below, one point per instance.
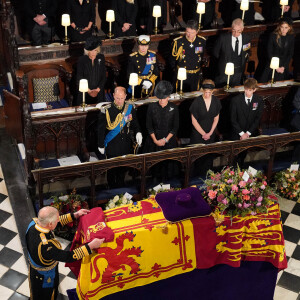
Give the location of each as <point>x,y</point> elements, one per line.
<point>82,15</point>
<point>162,125</point>
<point>280,44</point>
<point>91,66</point>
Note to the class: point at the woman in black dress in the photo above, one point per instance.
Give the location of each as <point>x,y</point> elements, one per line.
<point>162,125</point>
<point>82,16</point>
<point>91,66</point>
<point>205,115</point>
<point>205,112</point>
<point>280,44</point>
<point>125,15</point>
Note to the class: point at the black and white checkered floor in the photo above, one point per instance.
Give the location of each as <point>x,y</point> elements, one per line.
<point>13,267</point>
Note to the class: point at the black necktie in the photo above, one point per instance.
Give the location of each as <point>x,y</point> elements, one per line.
<point>236,50</point>
<point>248,101</point>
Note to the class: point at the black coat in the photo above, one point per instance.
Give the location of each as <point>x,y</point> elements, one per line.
<point>40,7</point>
<point>81,15</point>
<point>271,10</point>
<point>223,53</point>
<point>243,117</point>
<point>124,13</point>
<point>95,74</point>
<point>284,49</point>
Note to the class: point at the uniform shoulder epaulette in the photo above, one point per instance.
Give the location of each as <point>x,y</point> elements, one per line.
<point>104,108</point>
<point>132,54</point>
<point>43,238</point>
<point>152,51</point>
<point>201,37</point>
<point>177,38</point>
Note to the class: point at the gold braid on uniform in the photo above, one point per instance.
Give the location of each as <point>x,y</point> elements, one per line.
<point>65,219</point>
<point>119,118</point>
<point>177,53</point>
<point>80,252</point>
<point>46,262</point>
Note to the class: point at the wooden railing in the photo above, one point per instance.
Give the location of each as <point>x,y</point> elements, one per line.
<point>143,163</point>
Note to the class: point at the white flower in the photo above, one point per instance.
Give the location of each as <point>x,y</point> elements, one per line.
<point>124,200</point>
<point>130,201</point>
<point>63,198</point>
<point>111,205</point>
<point>116,199</point>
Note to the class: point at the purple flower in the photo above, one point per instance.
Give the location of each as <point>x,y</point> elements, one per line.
<point>220,198</point>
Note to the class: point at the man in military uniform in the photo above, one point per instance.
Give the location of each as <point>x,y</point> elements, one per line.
<point>44,252</point>
<point>143,62</point>
<point>188,51</point>
<point>118,130</point>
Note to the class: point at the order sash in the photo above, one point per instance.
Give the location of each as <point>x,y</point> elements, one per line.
<point>49,275</point>
<point>114,132</point>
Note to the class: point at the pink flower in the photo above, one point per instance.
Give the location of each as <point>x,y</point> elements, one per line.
<point>245,205</point>
<point>242,183</point>
<point>263,187</point>
<point>212,194</point>
<point>240,205</point>
<point>253,213</point>
<point>220,198</point>
<point>245,192</point>
<point>258,204</point>
<point>260,198</point>
<point>234,188</point>
<point>231,172</point>
<point>265,183</point>
<point>225,201</point>
<point>229,181</point>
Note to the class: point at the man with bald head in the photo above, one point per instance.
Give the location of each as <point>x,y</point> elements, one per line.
<point>118,130</point>
<point>44,251</point>
<point>232,47</point>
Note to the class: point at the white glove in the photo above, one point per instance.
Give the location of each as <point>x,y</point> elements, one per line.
<point>147,84</point>
<point>101,150</point>
<point>139,138</point>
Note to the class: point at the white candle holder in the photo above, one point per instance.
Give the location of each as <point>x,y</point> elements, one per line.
<point>110,17</point>
<point>65,21</point>
<point>274,65</point>
<point>156,14</point>
<point>229,70</point>
<point>181,76</point>
<point>133,81</point>
<point>200,11</point>
<point>244,6</point>
<point>83,87</point>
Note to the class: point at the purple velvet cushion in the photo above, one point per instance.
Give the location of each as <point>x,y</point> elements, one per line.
<point>184,204</point>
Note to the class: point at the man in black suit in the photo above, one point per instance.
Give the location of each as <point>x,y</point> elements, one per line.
<point>232,47</point>
<point>40,20</point>
<point>245,112</point>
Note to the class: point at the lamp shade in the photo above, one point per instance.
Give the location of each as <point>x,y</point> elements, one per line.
<point>65,20</point>
<point>229,69</point>
<point>133,79</point>
<point>156,11</point>
<point>181,75</point>
<point>110,15</point>
<point>284,2</point>
<point>201,8</point>
<point>244,5</point>
<point>83,85</point>
<point>274,63</point>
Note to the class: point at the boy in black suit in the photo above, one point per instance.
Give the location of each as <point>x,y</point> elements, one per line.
<point>245,114</point>
<point>246,111</point>
<point>232,47</point>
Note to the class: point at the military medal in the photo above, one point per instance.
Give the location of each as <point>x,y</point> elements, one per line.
<point>191,45</point>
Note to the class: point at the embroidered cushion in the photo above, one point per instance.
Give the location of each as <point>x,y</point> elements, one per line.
<point>44,89</point>
<point>183,204</point>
